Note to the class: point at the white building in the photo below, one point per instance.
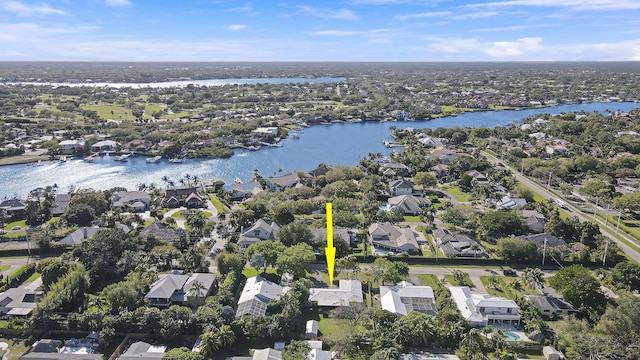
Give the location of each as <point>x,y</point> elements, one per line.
<point>405,298</point>
<point>256,294</point>
<point>67,147</point>
<point>484,309</point>
<point>348,292</point>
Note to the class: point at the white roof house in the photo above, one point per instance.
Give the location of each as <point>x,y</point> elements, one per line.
<point>267,354</point>
<point>484,309</point>
<point>349,291</point>
<point>316,354</point>
<point>406,297</point>
<point>256,294</point>
<point>311,330</point>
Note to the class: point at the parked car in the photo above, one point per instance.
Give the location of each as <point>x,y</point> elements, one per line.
<point>17,227</point>
<point>509,272</point>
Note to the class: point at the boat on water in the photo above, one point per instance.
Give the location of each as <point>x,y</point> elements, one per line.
<point>176,160</point>
<point>123,157</point>
<point>63,159</point>
<point>294,135</point>
<point>154,159</point>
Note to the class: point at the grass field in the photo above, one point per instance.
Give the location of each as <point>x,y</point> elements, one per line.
<point>32,278</point>
<point>216,203</point>
<point>181,215</point>
<point>5,267</point>
<point>330,327</point>
<point>17,347</point>
<point>504,288</point>
<point>408,218</point>
<point>251,272</point>
<point>429,280</point>
<point>111,112</point>
<point>457,193</point>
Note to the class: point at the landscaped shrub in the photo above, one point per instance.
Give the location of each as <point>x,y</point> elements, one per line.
<point>21,274</point>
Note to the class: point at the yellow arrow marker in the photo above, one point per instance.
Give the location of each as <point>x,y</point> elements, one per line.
<point>330,250</point>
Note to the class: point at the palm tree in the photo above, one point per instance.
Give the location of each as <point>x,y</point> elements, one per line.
<point>199,292</point>
<point>517,285</point>
<point>533,278</point>
<point>210,342</point>
<point>226,335</point>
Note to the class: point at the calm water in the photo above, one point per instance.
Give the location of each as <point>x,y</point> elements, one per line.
<point>340,143</point>
<point>211,82</point>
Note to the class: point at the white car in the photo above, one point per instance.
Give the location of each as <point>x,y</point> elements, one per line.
<point>16,227</point>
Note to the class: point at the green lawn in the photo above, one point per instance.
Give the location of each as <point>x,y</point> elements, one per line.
<point>151,108</point>
<point>216,203</point>
<point>330,327</point>
<point>251,272</point>
<point>181,215</point>
<point>17,347</point>
<point>32,278</point>
<point>429,280</point>
<point>504,288</point>
<point>408,218</point>
<point>111,112</point>
<point>5,267</point>
<point>457,193</point>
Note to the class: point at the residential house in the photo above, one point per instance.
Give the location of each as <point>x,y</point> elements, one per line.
<point>401,187</point>
<point>64,356</point>
<point>319,171</point>
<point>550,353</point>
<point>510,203</point>
<point>407,204</point>
<point>318,354</point>
<point>440,170</point>
<point>259,231</point>
<point>139,145</point>
<point>393,238</point>
<point>551,306</point>
<point>15,208</point>
<point>391,169</point>
<point>178,289</point>
<point>347,293</point>
<point>484,309</point>
<point>61,204</point>
<point>479,179</point>
<point>68,147</point>
<point>138,201</point>
<point>458,245</point>
<point>80,235</point>
<point>143,351</point>
<point>320,234</point>
<point>432,142</point>
<point>534,220</point>
<point>104,146</point>
<point>556,149</point>
<point>544,239</point>
<point>242,191</point>
<point>183,196</point>
<point>163,232</point>
<point>256,295</point>
<point>283,182</point>
<point>442,155</point>
<point>19,301</point>
<point>266,131</point>
<point>266,354</point>
<point>46,346</point>
<point>406,297</point>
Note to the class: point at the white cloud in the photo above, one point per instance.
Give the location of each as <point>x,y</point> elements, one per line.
<point>431,14</point>
<point>512,28</point>
<point>328,13</point>
<point>476,15</point>
<point>236,27</point>
<point>29,31</point>
<point>335,33</point>
<point>22,9</point>
<point>576,5</point>
<point>118,3</point>
<point>488,49</point>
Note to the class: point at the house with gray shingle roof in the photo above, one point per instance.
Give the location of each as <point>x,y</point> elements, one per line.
<point>458,244</point>
<point>407,204</point>
<point>80,235</point>
<point>136,200</point>
<point>401,187</point>
<point>393,238</point>
<point>259,231</point>
<point>280,183</point>
<point>170,289</point>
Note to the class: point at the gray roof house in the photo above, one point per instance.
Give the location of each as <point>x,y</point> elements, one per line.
<point>171,289</point>
<point>19,301</point>
<point>62,203</point>
<point>137,200</point>
<point>320,234</point>
<point>80,235</point>
<point>401,187</point>
<point>256,294</point>
<point>457,244</point>
<point>163,232</point>
<point>241,191</point>
<point>534,220</point>
<point>260,230</point>
<point>479,179</point>
<point>391,237</point>
<point>551,306</point>
<point>510,203</point>
<point>104,145</point>
<point>551,241</point>
<point>407,204</point>
<point>143,351</point>
<point>283,182</point>
<point>394,168</point>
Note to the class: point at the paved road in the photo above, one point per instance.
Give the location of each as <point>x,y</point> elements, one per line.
<point>573,210</point>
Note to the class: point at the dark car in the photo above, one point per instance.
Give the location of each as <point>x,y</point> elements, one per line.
<point>509,272</point>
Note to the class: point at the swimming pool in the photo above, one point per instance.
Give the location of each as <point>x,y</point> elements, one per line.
<point>511,336</point>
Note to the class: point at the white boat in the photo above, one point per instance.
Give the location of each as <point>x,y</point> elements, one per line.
<point>63,159</point>
<point>123,157</point>
<point>154,159</point>
<point>176,160</point>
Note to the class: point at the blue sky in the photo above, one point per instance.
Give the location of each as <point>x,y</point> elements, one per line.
<point>348,30</point>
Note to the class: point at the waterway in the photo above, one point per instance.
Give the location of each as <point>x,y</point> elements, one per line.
<point>338,143</point>
<point>183,83</point>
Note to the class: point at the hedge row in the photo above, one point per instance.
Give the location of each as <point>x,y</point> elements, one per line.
<point>20,275</point>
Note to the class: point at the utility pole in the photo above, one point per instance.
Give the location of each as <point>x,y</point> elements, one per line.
<point>522,168</point>
<point>606,216</point>
<point>595,210</point>
<point>606,249</point>
<point>549,181</point>
<point>618,226</point>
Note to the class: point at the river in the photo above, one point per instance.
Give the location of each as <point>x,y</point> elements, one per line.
<point>338,143</point>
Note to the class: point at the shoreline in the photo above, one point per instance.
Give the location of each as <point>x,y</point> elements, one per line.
<point>23,159</point>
